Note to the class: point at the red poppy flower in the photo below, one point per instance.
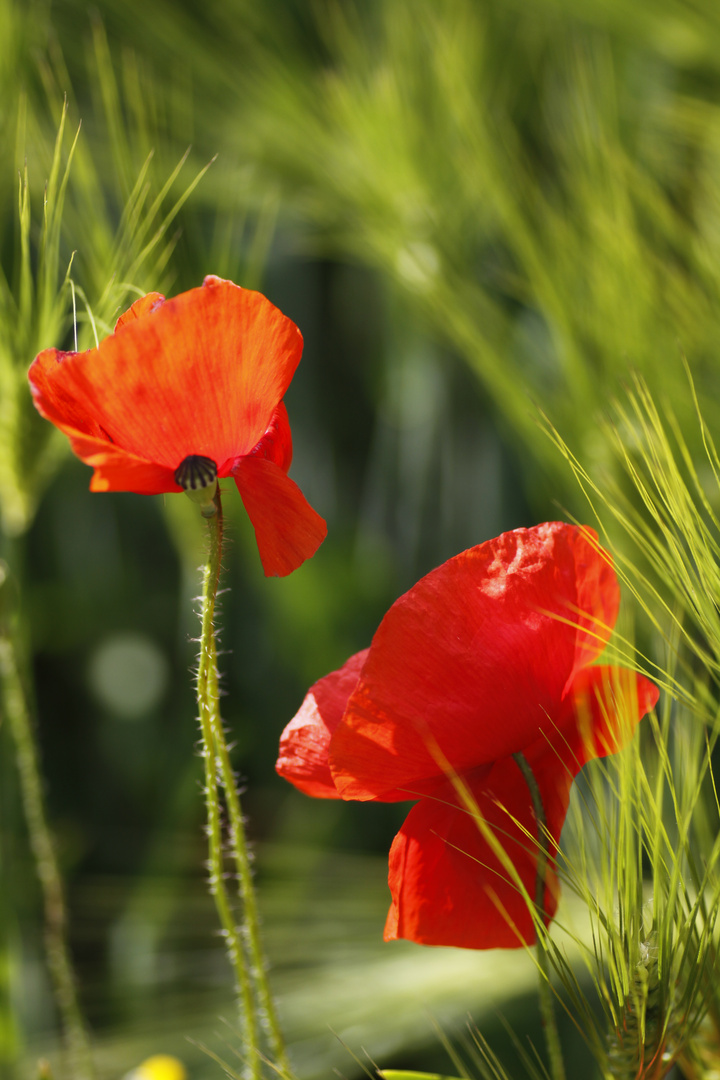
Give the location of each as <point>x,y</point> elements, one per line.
<point>200,376</point>
<point>489,655</point>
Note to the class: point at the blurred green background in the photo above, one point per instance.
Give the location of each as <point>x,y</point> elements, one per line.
<point>477,212</point>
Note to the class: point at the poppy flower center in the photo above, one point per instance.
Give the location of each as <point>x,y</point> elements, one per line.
<point>196,473</point>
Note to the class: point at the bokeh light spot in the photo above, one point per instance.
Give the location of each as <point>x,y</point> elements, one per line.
<point>128,674</point>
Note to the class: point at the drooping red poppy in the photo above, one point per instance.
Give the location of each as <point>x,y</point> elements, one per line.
<point>488,656</point>
<point>201,376</point>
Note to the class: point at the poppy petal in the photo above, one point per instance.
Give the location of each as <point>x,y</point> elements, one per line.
<point>599,718</point>
<point>305,742</point>
<point>448,887</point>
<point>143,306</point>
<point>603,707</point>
<point>608,703</point>
<point>276,443</point>
<point>467,665</point>
<point>287,529</point>
<point>303,758</point>
<point>116,470</point>
<point>201,373</point>
<point>51,397</point>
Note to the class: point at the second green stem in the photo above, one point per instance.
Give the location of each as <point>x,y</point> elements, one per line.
<point>14,706</point>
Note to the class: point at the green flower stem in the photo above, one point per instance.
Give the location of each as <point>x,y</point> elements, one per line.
<point>210,722</point>
<point>251,922</point>
<point>547,1005</point>
<point>17,714</point>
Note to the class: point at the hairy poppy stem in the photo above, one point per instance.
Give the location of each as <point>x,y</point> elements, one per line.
<point>16,711</point>
<point>547,1005</point>
<point>209,709</point>
<point>251,920</point>
<point>257,999</point>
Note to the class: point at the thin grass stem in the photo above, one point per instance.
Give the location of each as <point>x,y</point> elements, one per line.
<point>547,1005</point>
<point>17,714</point>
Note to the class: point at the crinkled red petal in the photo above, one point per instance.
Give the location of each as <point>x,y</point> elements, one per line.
<point>287,529</point>
<point>303,757</point>
<point>601,710</point>
<point>202,373</point>
<point>466,666</point>
<point>599,716</point>
<point>448,886</point>
<point>305,742</point>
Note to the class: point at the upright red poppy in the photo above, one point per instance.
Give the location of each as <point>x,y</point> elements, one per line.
<point>200,376</point>
<point>489,655</point>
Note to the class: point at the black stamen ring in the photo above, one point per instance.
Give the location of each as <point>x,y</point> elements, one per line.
<point>195,473</point>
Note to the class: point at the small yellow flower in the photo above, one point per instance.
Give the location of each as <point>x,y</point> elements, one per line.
<point>159,1067</point>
